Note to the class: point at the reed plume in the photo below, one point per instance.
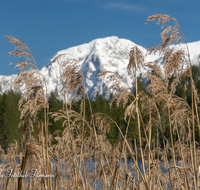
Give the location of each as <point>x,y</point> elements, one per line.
<point>34,90</point>
<point>71,77</point>
<point>85,138</point>
<point>176,64</point>
<point>29,80</point>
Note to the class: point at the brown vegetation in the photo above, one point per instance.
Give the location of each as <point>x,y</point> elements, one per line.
<point>84,145</point>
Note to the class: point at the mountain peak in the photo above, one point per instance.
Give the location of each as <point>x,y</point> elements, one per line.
<point>102,54</point>
<point>110,53</point>
<point>101,44</point>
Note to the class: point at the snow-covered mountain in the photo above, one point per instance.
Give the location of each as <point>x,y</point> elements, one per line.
<point>105,54</point>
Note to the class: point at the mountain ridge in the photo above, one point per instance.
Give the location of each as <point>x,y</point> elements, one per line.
<point>102,54</point>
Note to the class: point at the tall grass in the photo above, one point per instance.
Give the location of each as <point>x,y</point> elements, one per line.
<point>83,158</point>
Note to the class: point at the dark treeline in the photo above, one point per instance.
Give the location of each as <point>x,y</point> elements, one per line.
<point>10,115</point>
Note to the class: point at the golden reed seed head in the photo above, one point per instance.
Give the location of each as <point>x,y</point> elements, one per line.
<point>30,79</point>
<point>72,77</point>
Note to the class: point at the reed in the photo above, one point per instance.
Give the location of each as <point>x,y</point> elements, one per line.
<point>84,140</point>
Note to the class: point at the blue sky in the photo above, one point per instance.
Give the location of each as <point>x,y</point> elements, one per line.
<point>48,26</point>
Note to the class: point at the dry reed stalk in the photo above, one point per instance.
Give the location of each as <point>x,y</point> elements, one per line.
<point>191,151</point>
<point>32,151</point>
<point>174,34</point>
<point>131,153</point>
<point>149,150</point>
<point>137,167</point>
<point>166,159</point>
<point>95,174</point>
<point>180,116</point>
<point>122,151</point>
<point>184,166</point>
<point>150,110</point>
<point>12,166</point>
<point>56,176</point>
<point>78,117</point>
<point>46,112</point>
<point>193,132</point>
<point>33,83</point>
<point>133,185</point>
<point>73,81</point>
<point>80,177</point>
<point>22,169</point>
<point>136,60</point>
<point>9,158</point>
<point>75,175</point>
<point>85,175</point>
<point>155,110</point>
<point>82,139</point>
<point>114,175</point>
<point>160,96</point>
<point>173,154</point>
<point>136,160</point>
<point>149,168</point>
<point>8,179</point>
<point>94,130</point>
<point>153,177</point>
<point>104,175</point>
<point>98,146</point>
<point>39,137</point>
<point>135,63</point>
<point>43,155</point>
<point>109,165</point>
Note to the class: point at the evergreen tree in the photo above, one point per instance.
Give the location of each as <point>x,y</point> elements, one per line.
<point>54,105</point>
<point>9,118</point>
